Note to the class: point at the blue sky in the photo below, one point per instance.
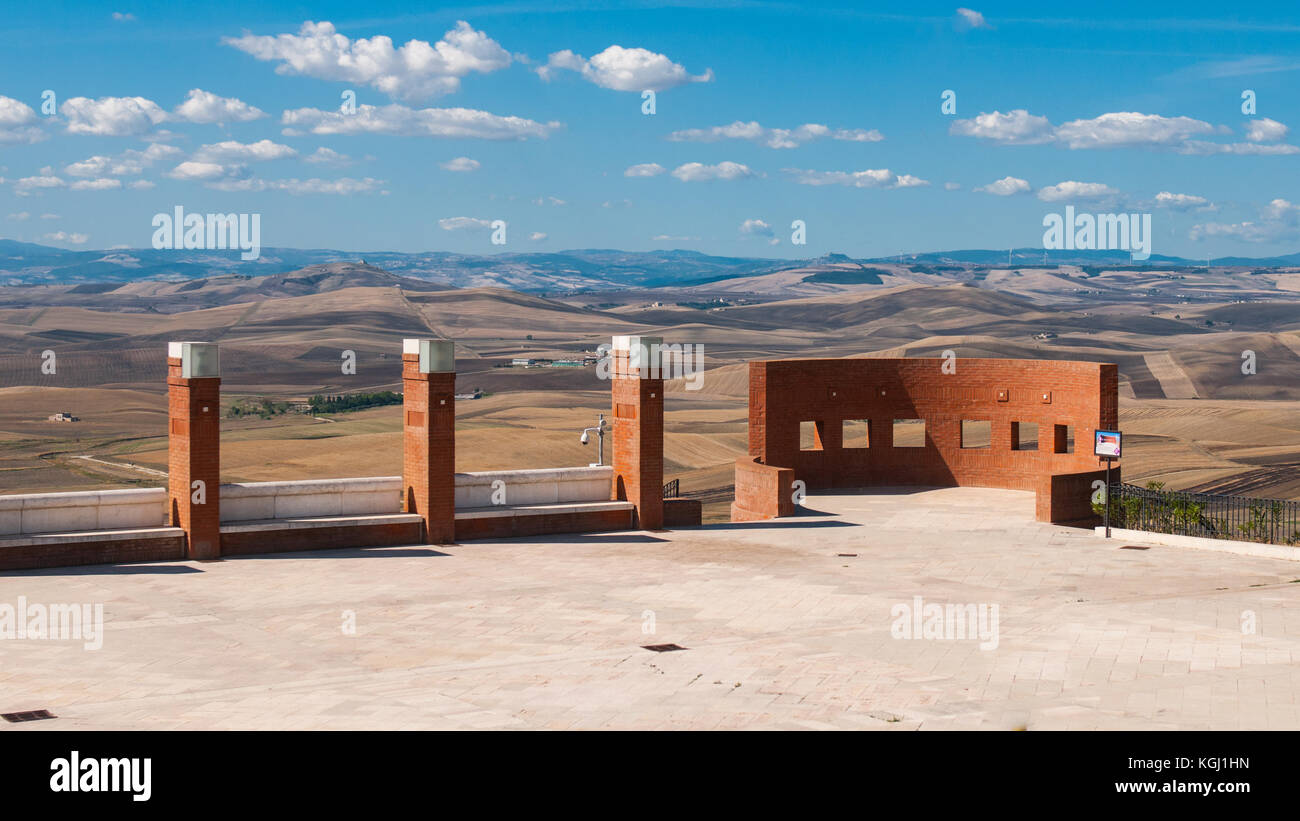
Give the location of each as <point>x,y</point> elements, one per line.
<point>766,113</point>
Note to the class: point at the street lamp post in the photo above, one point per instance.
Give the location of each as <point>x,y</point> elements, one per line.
<point>600,440</point>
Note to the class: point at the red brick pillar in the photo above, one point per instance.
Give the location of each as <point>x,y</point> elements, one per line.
<point>194,445</point>
<point>638,412</point>
<point>429,435</point>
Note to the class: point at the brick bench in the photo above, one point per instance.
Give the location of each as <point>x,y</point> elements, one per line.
<point>505,521</point>
<point>319,533</point>
<point>143,544</point>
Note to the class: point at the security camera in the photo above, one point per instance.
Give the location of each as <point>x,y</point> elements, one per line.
<point>584,437</point>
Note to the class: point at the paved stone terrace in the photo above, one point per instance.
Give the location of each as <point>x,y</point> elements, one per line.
<point>782,632</point>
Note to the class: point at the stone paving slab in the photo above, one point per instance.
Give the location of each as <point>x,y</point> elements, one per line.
<point>781,631</point>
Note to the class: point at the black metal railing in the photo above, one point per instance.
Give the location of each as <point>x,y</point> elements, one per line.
<point>671,489</point>
<point>1153,509</point>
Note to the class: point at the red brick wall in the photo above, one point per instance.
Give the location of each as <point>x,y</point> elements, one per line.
<point>168,549</point>
<point>762,491</point>
<point>783,393</point>
<point>194,453</point>
<point>683,512</point>
<point>429,449</point>
<point>319,538</point>
<point>638,432</point>
<point>508,525</point>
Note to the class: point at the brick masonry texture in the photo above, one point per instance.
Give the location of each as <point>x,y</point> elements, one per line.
<point>638,411</point>
<point>194,454</point>
<point>507,525</point>
<point>319,538</point>
<point>683,512</point>
<point>429,449</point>
<point>147,549</point>
<point>1000,392</point>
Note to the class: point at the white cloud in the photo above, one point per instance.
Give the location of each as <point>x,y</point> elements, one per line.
<point>1017,127</point>
<point>1120,129</point>
<point>670,238</point>
<point>952,186</point>
<point>234,151</point>
<point>616,204</point>
<point>756,227</point>
<point>1265,131</point>
<point>774,137</point>
<point>972,19</point>
<point>21,216</point>
<point>1125,129</point>
<point>624,69</point>
<point>1179,202</point>
<point>398,120</point>
<point>98,184</point>
<point>192,170</point>
<point>417,70</point>
<point>462,164</point>
<point>64,236</point>
<point>89,167</point>
<point>1243,149</point>
<point>111,116</point>
<point>464,224</point>
<point>870,178</point>
<point>645,169</point>
<point>342,186</point>
<point>27,185</point>
<point>537,236</point>
<point>548,201</point>
<point>699,172</point>
<point>18,122</point>
<point>328,157</point>
<point>1006,187</point>
<point>51,216</point>
<point>205,107</point>
<point>1279,220</point>
<point>122,17</point>
<point>141,185</point>
<point>1071,190</point>
<point>129,163</point>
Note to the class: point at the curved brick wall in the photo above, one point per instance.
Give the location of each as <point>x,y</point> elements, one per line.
<point>784,393</point>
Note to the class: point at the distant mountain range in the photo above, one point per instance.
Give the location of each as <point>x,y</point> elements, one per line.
<point>23,263</point>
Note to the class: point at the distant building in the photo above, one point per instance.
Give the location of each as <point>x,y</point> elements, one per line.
<point>567,363</point>
<point>64,417</point>
<point>474,395</point>
<point>523,361</point>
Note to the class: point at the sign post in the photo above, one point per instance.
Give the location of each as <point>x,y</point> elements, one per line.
<point>1109,445</point>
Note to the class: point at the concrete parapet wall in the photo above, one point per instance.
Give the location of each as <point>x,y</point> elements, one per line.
<point>249,501</point>
<point>533,487</point>
<point>95,510</point>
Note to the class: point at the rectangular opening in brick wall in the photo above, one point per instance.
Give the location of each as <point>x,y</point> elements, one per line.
<point>1024,436</point>
<point>976,433</point>
<point>909,433</point>
<point>1063,439</point>
<point>856,433</point>
<point>810,437</point>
